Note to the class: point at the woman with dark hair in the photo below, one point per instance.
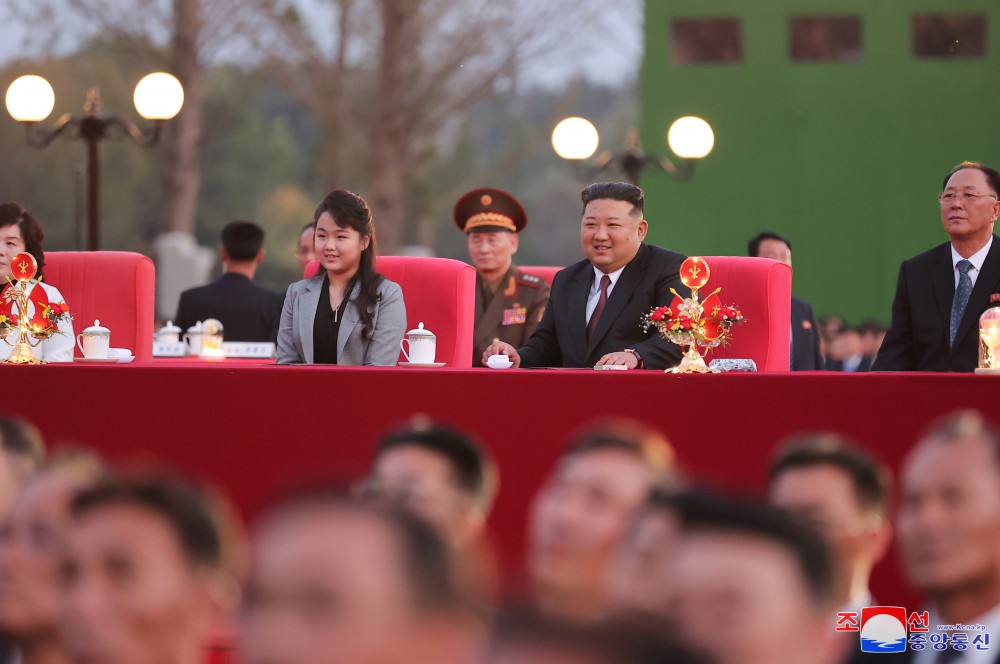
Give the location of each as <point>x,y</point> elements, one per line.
<point>348,314</point>
<point>21,232</point>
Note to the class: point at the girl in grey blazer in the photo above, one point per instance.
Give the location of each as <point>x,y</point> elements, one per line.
<point>348,314</point>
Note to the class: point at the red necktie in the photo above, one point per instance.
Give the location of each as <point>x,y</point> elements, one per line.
<point>596,316</point>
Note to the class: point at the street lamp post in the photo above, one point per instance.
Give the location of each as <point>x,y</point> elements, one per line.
<point>689,137</point>
<point>30,99</point>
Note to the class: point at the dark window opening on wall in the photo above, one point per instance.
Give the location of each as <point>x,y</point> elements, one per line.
<point>699,41</point>
<point>826,38</point>
<point>949,36</point>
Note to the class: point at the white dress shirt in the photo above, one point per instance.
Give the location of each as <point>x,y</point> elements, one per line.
<point>969,656</point>
<point>977,259</point>
<point>595,289</point>
<point>57,348</point>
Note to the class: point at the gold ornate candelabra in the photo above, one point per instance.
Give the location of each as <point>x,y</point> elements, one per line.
<point>31,331</point>
<point>697,324</point>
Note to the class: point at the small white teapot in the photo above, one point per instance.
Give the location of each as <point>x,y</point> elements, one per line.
<point>422,344</point>
<point>94,341</point>
<point>169,333</point>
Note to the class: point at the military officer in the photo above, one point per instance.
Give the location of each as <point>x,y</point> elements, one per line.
<point>509,302</point>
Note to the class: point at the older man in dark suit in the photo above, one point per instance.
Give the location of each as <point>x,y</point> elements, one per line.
<point>595,308</point>
<point>248,312</point>
<point>941,293</point>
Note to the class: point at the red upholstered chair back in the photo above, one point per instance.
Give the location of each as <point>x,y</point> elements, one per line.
<point>544,272</point>
<point>763,290</point>
<point>440,293</point>
<point>116,287</point>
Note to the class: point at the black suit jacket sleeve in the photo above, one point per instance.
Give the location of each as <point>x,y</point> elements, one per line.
<point>277,304</point>
<point>805,337</point>
<point>896,352</point>
<point>184,319</point>
<point>542,347</point>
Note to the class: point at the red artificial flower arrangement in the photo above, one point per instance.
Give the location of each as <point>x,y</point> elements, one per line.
<point>47,316</point>
<point>690,322</point>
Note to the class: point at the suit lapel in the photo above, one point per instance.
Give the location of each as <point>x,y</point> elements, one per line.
<point>307,304</point>
<point>579,292</point>
<point>622,293</point>
<point>943,284</point>
<point>985,284</point>
<point>348,321</point>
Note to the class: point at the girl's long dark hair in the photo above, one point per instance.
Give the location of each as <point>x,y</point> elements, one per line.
<point>31,231</point>
<point>351,211</point>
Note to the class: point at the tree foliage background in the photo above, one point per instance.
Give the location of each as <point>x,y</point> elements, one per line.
<point>408,102</point>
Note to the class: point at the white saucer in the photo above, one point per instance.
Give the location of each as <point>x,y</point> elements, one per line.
<point>413,364</point>
<point>96,360</point>
<point>125,360</point>
<point>500,367</point>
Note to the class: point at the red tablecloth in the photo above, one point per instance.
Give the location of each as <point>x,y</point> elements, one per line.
<point>256,429</point>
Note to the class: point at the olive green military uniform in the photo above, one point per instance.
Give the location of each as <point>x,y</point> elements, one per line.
<point>510,314</point>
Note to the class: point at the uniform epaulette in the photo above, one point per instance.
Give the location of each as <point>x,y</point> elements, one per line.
<point>529,280</point>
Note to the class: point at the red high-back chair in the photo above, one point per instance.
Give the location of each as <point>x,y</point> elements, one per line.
<point>116,287</point>
<point>440,293</point>
<point>544,272</point>
<point>762,288</point>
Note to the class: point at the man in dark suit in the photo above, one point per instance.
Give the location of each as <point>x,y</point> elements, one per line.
<point>941,293</point>
<point>509,302</point>
<point>248,312</point>
<point>596,305</point>
<point>805,351</point>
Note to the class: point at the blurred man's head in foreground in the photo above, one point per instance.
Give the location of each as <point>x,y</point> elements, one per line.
<point>842,491</point>
<point>582,513</point>
<point>642,578</point>
<point>141,579</point>
<point>31,543</point>
<point>949,514</point>
<point>440,474</point>
<point>339,580</point>
<point>22,452</point>
<point>752,584</point>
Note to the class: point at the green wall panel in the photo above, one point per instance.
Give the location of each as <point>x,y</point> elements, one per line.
<point>846,159</point>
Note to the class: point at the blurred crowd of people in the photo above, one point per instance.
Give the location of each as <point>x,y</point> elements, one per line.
<point>628,561</point>
<point>849,347</point>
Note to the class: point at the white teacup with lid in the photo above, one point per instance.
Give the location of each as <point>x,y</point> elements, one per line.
<point>422,344</point>
<point>169,333</point>
<point>94,341</point>
<point>193,338</point>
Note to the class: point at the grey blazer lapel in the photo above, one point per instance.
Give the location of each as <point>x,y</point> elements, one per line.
<point>306,315</point>
<point>348,322</point>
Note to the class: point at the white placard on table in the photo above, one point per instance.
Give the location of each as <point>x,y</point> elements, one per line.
<point>249,350</point>
<point>169,349</point>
